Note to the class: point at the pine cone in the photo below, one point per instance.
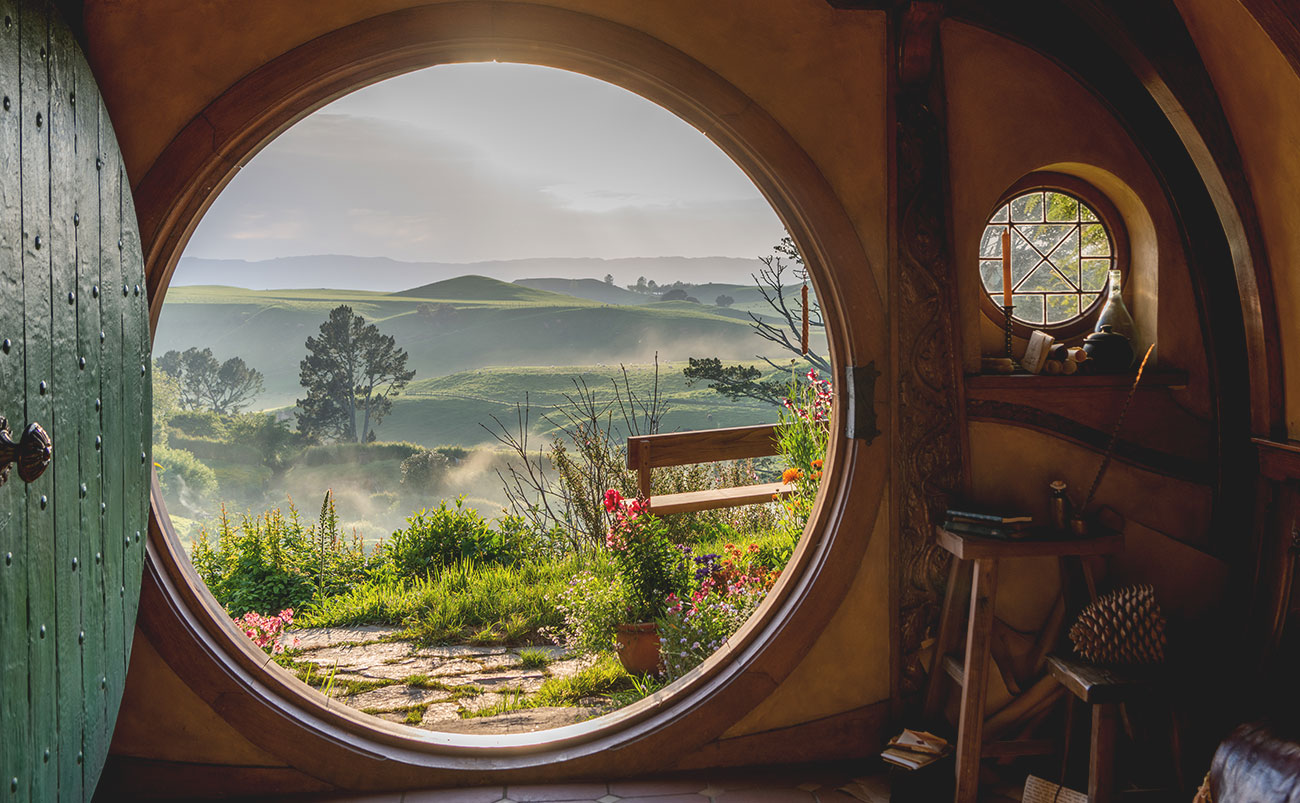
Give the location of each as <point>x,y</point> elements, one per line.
<point>1123,627</point>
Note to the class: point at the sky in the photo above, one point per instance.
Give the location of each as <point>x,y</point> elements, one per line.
<point>473,162</point>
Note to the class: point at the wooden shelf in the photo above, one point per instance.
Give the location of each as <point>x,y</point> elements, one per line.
<point>1172,380</point>
<point>975,547</point>
<point>1278,460</point>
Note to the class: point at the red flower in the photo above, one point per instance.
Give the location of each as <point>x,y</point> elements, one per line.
<point>612,500</point>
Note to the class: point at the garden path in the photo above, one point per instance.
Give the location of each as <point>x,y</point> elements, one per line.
<point>435,688</point>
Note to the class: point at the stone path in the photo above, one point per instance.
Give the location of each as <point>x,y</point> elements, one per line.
<point>368,668</point>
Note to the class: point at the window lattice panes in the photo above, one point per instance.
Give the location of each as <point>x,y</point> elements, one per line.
<point>1061,255</point>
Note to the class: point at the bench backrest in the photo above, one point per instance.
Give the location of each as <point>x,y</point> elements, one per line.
<point>645,452</point>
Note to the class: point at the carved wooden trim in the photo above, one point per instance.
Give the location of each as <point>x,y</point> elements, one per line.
<point>929,452</point>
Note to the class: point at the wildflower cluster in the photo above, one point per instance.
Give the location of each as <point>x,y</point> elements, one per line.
<point>591,606</point>
<point>265,631</point>
<point>813,403</point>
<point>729,587</point>
<point>692,630</point>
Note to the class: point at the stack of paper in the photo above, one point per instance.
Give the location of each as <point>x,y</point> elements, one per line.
<point>915,749</point>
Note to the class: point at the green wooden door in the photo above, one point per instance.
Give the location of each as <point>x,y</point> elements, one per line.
<point>74,352</point>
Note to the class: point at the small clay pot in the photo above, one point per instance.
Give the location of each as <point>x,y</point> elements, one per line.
<point>1108,352</point>
<point>638,647</point>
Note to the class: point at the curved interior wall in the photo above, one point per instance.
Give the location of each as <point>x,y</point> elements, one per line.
<point>826,691</point>
<point>1011,112</point>
<point>821,74</point>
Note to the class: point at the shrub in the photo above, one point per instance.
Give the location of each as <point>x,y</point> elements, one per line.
<point>271,561</point>
<point>200,424</point>
<point>591,606</point>
<point>650,565</point>
<point>424,471</point>
<point>187,483</point>
<point>211,450</point>
<point>361,453</point>
<point>436,538</point>
<point>266,631</point>
<point>384,501</point>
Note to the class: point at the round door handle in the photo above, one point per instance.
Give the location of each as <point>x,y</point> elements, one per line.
<point>32,452</point>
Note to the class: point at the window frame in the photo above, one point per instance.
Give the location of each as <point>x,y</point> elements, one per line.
<point>1110,219</point>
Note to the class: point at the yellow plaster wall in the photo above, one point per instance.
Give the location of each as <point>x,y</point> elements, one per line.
<point>1012,112</point>
<point>848,667</point>
<point>1260,94</point>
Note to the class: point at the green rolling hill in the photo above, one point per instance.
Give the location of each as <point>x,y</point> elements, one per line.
<point>454,326</point>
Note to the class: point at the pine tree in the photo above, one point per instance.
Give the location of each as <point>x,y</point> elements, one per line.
<point>351,371</point>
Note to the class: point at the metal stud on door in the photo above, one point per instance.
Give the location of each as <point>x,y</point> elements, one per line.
<point>74,390</point>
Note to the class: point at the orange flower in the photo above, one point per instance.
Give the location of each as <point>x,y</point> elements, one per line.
<point>791,475</point>
<point>816,464</point>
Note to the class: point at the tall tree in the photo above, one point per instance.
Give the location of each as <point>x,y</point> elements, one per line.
<point>206,384</point>
<point>351,371</point>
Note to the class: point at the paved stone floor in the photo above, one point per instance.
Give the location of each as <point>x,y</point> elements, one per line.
<point>434,687</point>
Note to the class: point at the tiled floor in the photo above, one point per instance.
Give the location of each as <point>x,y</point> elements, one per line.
<point>818,785</point>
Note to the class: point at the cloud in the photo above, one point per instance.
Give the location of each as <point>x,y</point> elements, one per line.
<point>347,184</point>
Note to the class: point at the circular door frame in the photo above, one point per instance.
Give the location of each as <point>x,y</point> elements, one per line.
<point>351,750</point>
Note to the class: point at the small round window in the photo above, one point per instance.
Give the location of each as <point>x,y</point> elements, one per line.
<point>1062,246</point>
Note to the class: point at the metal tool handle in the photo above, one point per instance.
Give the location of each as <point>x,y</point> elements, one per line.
<point>32,452</point>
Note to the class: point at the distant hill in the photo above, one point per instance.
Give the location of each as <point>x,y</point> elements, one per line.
<point>481,288</point>
<point>530,327</point>
<point>591,289</point>
<point>390,275</point>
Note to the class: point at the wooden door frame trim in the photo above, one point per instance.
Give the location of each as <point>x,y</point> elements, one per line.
<point>352,751</point>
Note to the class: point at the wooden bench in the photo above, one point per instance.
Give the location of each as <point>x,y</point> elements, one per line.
<point>648,452</point>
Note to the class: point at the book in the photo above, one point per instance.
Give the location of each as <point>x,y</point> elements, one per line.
<point>991,518</point>
<point>915,749</point>
<point>985,530</point>
<point>907,759</point>
<point>1036,351</point>
<point>920,742</point>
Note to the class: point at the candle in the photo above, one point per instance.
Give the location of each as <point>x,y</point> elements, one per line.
<point>1006,267</point>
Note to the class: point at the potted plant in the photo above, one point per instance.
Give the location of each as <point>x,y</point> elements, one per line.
<point>651,568</point>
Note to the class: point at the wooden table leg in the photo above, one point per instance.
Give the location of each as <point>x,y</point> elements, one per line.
<point>1101,767</point>
<point>949,629</point>
<point>970,728</point>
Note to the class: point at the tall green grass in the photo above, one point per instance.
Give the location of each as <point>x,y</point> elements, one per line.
<point>464,602</point>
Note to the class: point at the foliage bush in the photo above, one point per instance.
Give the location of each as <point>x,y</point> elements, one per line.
<point>200,424</point>
<point>187,483</point>
<point>650,565</point>
<point>271,561</point>
<point>360,453</point>
<point>212,450</point>
<point>591,607</point>
<point>437,538</point>
<point>692,630</point>
<point>424,471</point>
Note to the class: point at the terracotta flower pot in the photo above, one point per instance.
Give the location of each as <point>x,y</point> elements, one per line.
<point>638,647</point>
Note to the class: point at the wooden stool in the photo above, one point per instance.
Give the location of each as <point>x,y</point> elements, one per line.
<point>1105,690</point>
<point>983,554</point>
